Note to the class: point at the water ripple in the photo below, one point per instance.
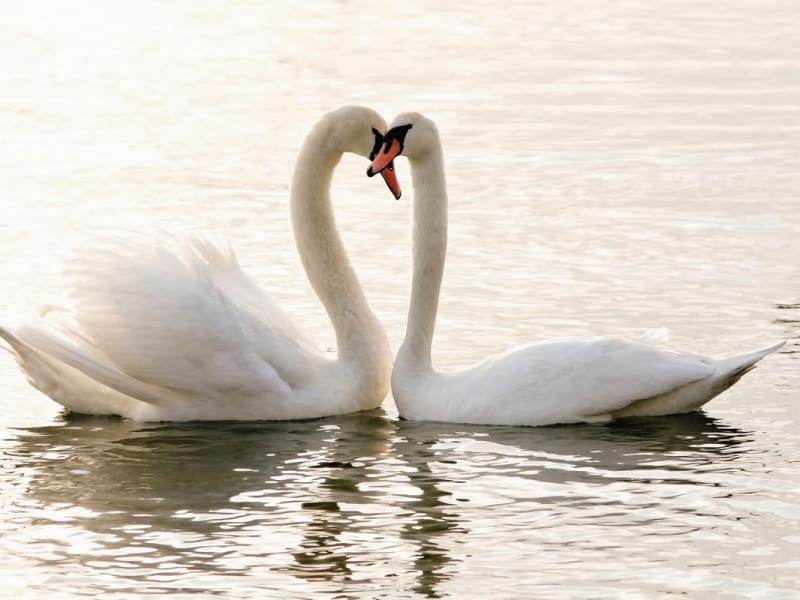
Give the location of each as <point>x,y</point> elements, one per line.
<point>612,167</point>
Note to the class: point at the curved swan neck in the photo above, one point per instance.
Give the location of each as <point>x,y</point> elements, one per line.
<point>359,335</point>
<point>430,250</point>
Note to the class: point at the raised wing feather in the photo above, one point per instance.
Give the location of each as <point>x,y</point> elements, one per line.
<point>276,338</point>
<point>180,315</point>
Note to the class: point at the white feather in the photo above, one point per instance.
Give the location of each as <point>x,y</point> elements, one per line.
<point>558,381</point>
<point>163,327</point>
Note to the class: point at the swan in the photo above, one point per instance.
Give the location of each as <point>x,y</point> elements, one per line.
<point>159,328</point>
<point>556,381</point>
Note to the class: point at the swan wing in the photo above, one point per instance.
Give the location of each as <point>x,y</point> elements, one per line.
<point>162,317</point>
<point>71,387</point>
<point>577,379</point>
<point>620,372</point>
<point>248,297</point>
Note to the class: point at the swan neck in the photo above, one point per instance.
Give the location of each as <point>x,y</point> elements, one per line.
<point>430,249</point>
<point>359,335</point>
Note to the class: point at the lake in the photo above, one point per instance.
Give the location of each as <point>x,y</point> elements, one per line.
<point>612,167</point>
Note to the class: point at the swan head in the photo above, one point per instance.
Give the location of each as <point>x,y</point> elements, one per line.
<point>410,134</point>
<point>359,130</point>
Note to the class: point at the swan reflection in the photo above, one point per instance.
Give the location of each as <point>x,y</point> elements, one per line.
<point>434,525</point>
<point>338,502</point>
<point>310,501</point>
<point>165,501</point>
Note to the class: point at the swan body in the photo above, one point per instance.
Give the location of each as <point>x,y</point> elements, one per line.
<point>557,381</point>
<point>160,328</point>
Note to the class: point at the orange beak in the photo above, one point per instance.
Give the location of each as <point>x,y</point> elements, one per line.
<point>383,164</point>
<point>384,159</point>
<point>390,177</point>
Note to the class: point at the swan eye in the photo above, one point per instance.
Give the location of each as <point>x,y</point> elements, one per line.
<point>378,143</point>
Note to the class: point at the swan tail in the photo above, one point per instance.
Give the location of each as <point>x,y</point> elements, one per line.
<point>83,358</point>
<point>693,396</point>
<point>74,390</point>
<point>14,346</point>
<point>5,340</point>
<point>729,370</point>
<point>38,370</point>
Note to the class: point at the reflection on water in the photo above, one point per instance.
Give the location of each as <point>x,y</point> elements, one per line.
<point>612,167</point>
<point>433,511</point>
<point>345,503</point>
<point>187,499</point>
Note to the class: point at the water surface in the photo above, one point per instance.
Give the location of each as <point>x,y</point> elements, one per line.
<point>612,167</point>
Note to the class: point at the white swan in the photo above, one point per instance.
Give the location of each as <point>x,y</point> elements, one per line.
<point>558,381</point>
<point>172,329</point>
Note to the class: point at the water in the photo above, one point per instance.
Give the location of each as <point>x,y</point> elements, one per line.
<point>612,167</point>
